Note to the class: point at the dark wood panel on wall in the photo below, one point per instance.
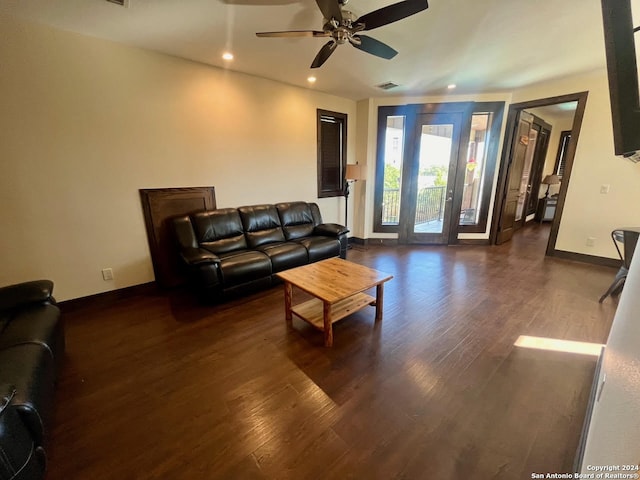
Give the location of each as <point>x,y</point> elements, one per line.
<point>160,205</point>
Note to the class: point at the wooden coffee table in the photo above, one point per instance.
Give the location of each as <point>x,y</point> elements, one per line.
<point>338,287</point>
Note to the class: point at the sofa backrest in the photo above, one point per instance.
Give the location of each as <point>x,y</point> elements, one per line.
<point>228,229</point>
<point>261,225</point>
<point>219,231</point>
<point>297,219</point>
<point>315,212</point>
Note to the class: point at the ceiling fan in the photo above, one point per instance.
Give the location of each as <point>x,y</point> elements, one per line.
<point>342,26</point>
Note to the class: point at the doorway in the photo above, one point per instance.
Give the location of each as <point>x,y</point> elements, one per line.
<point>510,193</point>
<point>534,161</point>
<point>428,183</point>
<point>528,155</point>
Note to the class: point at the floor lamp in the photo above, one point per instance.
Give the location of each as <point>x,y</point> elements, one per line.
<point>353,173</point>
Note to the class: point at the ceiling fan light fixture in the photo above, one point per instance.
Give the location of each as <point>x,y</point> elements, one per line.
<point>343,27</point>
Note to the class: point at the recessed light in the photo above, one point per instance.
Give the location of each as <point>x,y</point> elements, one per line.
<point>227,56</point>
<point>311,79</point>
<point>451,86</point>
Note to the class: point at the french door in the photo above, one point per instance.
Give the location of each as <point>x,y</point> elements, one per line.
<point>429,193</point>
<point>434,169</point>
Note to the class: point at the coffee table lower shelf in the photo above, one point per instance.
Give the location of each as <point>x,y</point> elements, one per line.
<point>312,311</point>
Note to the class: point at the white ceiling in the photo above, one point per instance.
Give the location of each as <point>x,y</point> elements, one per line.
<point>480,45</point>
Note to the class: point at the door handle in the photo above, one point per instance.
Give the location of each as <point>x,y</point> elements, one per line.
<point>449,199</point>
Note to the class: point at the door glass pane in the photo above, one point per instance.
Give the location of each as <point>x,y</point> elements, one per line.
<point>393,156</point>
<point>526,173</point>
<point>434,158</point>
<point>474,175</point>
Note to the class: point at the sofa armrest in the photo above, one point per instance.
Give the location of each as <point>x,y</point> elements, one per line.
<point>204,271</point>
<point>330,230</point>
<point>20,457</point>
<point>18,295</point>
<point>198,256</point>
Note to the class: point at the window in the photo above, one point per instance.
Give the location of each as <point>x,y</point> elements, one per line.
<point>482,153</point>
<point>561,157</point>
<point>332,152</point>
<point>392,125</point>
<point>392,170</point>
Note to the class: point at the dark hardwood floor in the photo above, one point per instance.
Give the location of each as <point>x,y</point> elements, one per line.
<point>158,387</point>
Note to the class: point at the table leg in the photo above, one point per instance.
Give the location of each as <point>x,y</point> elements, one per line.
<point>287,304</point>
<point>379,301</point>
<point>328,328</point>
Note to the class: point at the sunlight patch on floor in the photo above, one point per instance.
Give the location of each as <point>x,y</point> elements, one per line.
<point>556,345</point>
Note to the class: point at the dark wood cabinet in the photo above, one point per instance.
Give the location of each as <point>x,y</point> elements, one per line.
<point>160,205</point>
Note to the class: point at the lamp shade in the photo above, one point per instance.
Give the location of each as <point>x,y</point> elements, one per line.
<point>355,172</point>
<point>551,180</point>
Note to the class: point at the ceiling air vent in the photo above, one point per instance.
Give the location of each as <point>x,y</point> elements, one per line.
<point>122,3</point>
<point>387,86</point>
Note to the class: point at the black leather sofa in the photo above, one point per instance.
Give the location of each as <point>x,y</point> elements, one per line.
<point>31,351</point>
<point>233,250</point>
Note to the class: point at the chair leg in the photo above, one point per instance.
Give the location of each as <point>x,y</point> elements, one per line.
<point>617,284</point>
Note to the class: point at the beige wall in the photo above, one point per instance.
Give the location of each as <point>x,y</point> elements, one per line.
<point>86,123</point>
<point>587,212</point>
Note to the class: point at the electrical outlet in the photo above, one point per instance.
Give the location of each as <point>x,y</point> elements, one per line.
<point>107,274</point>
<point>591,241</point>
<point>605,188</point>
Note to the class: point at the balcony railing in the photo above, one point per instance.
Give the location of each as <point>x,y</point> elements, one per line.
<point>391,206</point>
<point>429,206</point>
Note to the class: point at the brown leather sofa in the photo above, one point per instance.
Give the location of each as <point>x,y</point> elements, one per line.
<point>234,250</point>
<point>31,352</point>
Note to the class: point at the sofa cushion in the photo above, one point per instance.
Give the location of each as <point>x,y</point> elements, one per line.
<point>261,225</point>
<point>319,247</point>
<point>219,231</point>
<point>285,255</point>
<point>245,266</point>
<point>296,219</point>
<point>30,369</point>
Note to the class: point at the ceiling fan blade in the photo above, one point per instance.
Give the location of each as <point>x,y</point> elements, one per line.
<point>294,33</point>
<point>392,13</point>
<point>330,9</point>
<point>374,47</point>
<point>324,53</point>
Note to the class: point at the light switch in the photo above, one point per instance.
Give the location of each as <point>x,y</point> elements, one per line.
<point>605,188</point>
